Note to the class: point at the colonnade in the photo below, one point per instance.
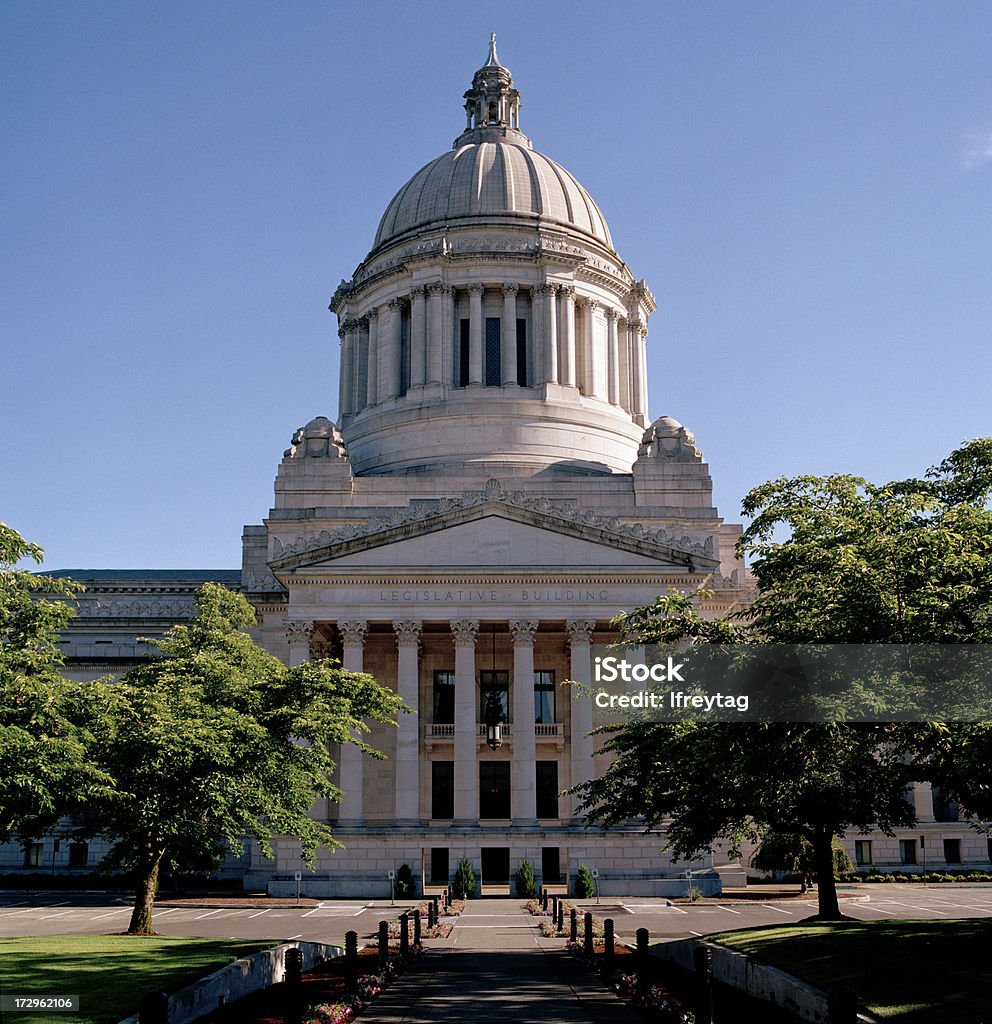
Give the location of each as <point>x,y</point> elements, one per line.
<point>410,735</point>
<point>415,341</point>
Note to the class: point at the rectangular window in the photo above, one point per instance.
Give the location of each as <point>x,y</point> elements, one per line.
<point>862,851</point>
<point>405,322</point>
<point>550,865</point>
<point>945,808</point>
<point>547,789</point>
<point>32,855</point>
<point>544,697</point>
<point>522,353</point>
<point>79,855</point>
<point>444,697</point>
<point>442,789</point>
<point>439,866</point>
<point>907,851</point>
<point>494,789</point>
<point>463,336</point>
<point>952,851</point>
<point>493,369</point>
<point>494,688</point>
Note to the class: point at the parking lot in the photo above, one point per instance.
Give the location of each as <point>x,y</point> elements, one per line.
<point>66,913</point>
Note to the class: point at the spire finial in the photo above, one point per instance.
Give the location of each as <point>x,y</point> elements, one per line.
<point>493,61</point>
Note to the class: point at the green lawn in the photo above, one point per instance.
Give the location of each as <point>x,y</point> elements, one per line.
<point>109,973</point>
<point>913,972</point>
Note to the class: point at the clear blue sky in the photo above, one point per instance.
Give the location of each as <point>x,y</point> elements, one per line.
<point>806,188</point>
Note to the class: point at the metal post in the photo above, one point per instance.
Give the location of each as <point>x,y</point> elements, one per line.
<point>350,961</point>
<point>294,986</point>
<point>154,1008</point>
<point>437,908</point>
<point>383,943</point>
<point>643,976</point>
<point>842,1005</point>
<point>560,917</point>
<point>544,898</point>
<point>608,948</point>
<point>573,925</point>
<point>404,935</point>
<point>702,959</point>
<point>416,929</point>
<point>587,933</point>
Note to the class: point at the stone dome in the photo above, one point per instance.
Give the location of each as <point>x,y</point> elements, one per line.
<point>499,178</point>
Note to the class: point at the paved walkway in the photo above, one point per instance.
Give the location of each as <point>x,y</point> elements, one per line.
<point>496,966</point>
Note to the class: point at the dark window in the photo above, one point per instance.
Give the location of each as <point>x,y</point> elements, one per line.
<point>952,851</point>
<point>945,808</point>
<point>463,335</point>
<point>444,697</point>
<point>547,789</point>
<point>495,865</point>
<point>550,865</point>
<point>544,697</point>
<point>79,855</point>
<point>494,686</point>
<point>907,851</point>
<point>862,851</point>
<point>405,320</point>
<point>492,352</point>
<point>442,789</point>
<point>522,353</point>
<point>32,855</point>
<point>988,848</point>
<point>439,866</point>
<point>494,789</point>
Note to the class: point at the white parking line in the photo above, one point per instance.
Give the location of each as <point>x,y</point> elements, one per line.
<point>209,913</point>
<point>260,912</point>
<point>162,913</point>
<point>730,910</point>
<point>309,912</point>
<point>61,913</point>
<point>913,906</point>
<point>778,910</point>
<point>119,910</point>
<point>290,939</point>
<point>868,906</point>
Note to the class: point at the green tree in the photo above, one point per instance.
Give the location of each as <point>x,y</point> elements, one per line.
<point>526,883</point>
<point>793,855</point>
<point>463,886</point>
<point>45,769</point>
<point>585,884</point>
<point>837,560</point>
<point>404,881</point>
<point>219,739</point>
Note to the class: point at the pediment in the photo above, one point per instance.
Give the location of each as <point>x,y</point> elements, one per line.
<point>498,530</point>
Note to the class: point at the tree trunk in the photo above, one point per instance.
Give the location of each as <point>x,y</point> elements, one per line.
<point>826,887</point>
<point>144,898</point>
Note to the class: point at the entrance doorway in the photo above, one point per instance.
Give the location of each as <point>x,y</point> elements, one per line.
<point>495,871</point>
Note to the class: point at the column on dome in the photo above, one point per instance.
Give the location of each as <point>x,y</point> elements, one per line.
<point>299,633</point>
<point>612,358</point>
<point>344,372</point>
<point>463,633</point>
<point>435,333</point>
<point>508,334</point>
<point>566,373</point>
<point>549,334</point>
<point>639,352</point>
<point>535,347</point>
<point>360,375</point>
<point>580,668</point>
<point>350,765</point>
<point>407,761</point>
<point>390,345</point>
<point>372,388</point>
<point>623,335</point>
<point>596,360</point>
<point>475,333</point>
<point>523,771</point>
<point>418,337</point>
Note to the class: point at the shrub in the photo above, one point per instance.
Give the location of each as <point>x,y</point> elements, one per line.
<point>525,880</point>
<point>585,886</point>
<point>404,882</point>
<point>463,886</point>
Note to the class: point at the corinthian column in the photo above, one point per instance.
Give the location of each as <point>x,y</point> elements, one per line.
<point>418,337</point>
<point>624,364</point>
<point>435,334</point>
<point>299,633</point>
<point>475,333</point>
<point>508,335</point>
<point>523,771</point>
<point>344,372</point>
<point>580,669</point>
<point>408,726</point>
<point>463,632</point>
<point>389,351</point>
<point>638,343</point>
<point>567,371</point>
<point>372,390</point>
<point>612,358</point>
<point>350,766</point>
<point>548,364</point>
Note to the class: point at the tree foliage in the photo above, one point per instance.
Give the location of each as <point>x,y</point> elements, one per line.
<point>837,560</point>
<point>45,720</point>
<point>526,882</point>
<point>463,885</point>
<point>217,739</point>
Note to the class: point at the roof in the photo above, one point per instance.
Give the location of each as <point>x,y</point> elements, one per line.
<point>194,575</point>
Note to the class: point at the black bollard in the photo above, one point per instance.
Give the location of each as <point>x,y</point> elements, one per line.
<point>350,961</point>
<point>587,933</point>
<point>609,951</point>
<point>293,1011</point>
<point>383,943</point>
<point>404,936</point>
<point>573,925</point>
<point>154,1008</point>
<point>702,959</point>
<point>560,916</point>
<point>842,1005</point>
<point>430,915</point>
<point>643,973</point>
<point>416,930</point>
<point>437,908</point>
<point>544,899</point>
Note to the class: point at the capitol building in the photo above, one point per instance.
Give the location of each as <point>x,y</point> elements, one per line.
<point>492,492</point>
